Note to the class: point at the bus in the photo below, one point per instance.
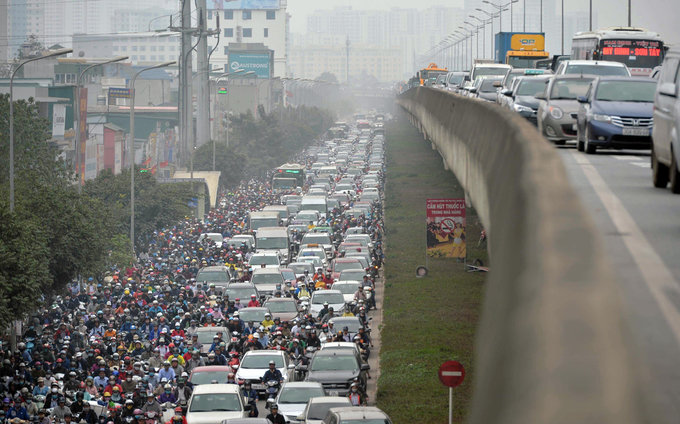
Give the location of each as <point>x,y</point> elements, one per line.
<point>285,173</point>
<point>429,75</point>
<point>637,48</point>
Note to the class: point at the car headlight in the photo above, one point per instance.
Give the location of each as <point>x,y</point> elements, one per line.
<point>520,108</point>
<point>556,112</point>
<point>601,118</point>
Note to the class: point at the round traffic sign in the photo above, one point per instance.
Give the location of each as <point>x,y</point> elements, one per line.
<point>447,225</point>
<point>451,373</point>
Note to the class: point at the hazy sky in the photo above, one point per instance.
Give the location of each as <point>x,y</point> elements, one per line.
<point>662,16</point>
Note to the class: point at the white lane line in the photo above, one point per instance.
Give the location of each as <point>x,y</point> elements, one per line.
<point>626,157</point>
<point>642,164</point>
<point>655,273</point>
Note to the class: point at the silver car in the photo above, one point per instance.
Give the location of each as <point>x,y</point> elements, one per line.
<point>558,107</point>
<point>666,131</point>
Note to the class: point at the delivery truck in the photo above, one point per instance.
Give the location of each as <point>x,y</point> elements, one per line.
<point>520,49</point>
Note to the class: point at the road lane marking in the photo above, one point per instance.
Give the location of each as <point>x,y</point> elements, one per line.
<point>656,275</point>
<point>621,157</point>
<point>642,164</point>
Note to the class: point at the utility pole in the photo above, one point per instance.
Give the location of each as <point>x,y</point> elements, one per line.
<point>347,71</point>
<point>203,95</point>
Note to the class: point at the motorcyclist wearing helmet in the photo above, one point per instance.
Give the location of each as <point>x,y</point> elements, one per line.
<point>272,374</point>
<point>88,415</point>
<point>182,391</point>
<point>77,406</point>
<point>274,416</point>
<point>167,395</point>
<point>251,395</point>
<point>152,404</point>
<point>178,418</point>
<point>129,409</point>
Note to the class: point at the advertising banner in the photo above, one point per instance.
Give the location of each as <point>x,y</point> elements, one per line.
<point>446,228</point>
<point>246,4</point>
<point>82,109</point>
<point>58,121</point>
<point>256,62</point>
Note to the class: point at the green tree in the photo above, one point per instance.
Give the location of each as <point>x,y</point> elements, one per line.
<point>156,205</point>
<point>228,160</point>
<point>328,76</point>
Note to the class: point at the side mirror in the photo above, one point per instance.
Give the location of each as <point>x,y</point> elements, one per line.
<point>473,90</point>
<point>507,93</point>
<point>668,89</point>
<point>541,96</point>
<point>365,367</point>
<point>302,367</point>
<point>582,99</point>
<point>497,84</point>
<point>300,417</point>
<point>291,366</point>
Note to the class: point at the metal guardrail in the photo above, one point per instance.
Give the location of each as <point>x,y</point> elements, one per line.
<point>552,345</point>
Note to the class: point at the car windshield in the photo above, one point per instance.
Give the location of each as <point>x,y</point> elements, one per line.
<point>318,238</point>
<point>253,362</point>
<point>342,266</point>
<point>490,72</point>
<point>530,87</point>
<point>275,307</point>
<point>626,91</point>
<point>213,276</point>
<point>487,85</point>
<point>346,288</point>
<point>215,402</point>
<point>570,89</point>
<point>352,324</point>
<point>215,237</point>
<point>263,222</point>
<point>264,259</point>
<point>271,243</point>
<point>332,298</point>
<point>206,377</point>
<point>335,363</point>
<point>366,421</point>
<point>263,278</point>
<point>206,336</point>
<point>299,394</point>
<point>456,79</point>
<point>248,314</point>
<point>350,275</point>
<point>318,411</point>
<point>288,275</point>
<point>305,216</point>
<point>596,70</point>
<point>301,268</point>
<point>244,293</point>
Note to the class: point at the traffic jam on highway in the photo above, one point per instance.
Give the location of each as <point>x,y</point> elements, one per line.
<point>617,90</point>
<point>266,303</point>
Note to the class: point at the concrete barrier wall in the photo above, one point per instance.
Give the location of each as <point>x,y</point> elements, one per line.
<point>552,346</point>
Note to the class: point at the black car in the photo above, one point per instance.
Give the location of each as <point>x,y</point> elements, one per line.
<point>616,113</point>
<point>486,90</point>
<point>335,369</point>
<point>523,99</point>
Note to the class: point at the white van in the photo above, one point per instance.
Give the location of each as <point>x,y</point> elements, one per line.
<point>273,239</point>
<point>315,203</point>
<point>213,403</point>
<point>263,219</point>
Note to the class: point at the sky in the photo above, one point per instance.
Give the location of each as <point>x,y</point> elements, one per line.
<point>661,16</point>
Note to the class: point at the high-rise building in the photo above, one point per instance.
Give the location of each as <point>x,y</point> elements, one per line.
<point>266,25</point>
<point>4,41</point>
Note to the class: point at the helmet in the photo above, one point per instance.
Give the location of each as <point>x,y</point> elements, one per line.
<point>136,411</point>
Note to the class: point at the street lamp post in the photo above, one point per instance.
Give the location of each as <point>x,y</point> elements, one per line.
<point>132,149</point>
<point>483,35</point>
<point>493,35</point>
<point>11,120</point>
<point>501,8</point>
<point>477,32</point>
<point>193,136</point>
<point>79,171</point>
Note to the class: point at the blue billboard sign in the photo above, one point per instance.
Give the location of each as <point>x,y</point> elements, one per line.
<point>247,4</point>
<point>255,62</point>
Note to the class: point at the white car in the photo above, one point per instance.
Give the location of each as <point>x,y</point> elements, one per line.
<point>256,362</point>
<point>348,288</point>
<point>216,237</point>
<point>592,67</point>
<point>293,397</point>
<point>318,407</point>
<point>335,299</point>
<point>213,403</point>
<point>266,280</point>
<point>269,259</point>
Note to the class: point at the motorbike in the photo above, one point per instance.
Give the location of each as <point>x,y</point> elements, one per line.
<point>252,401</point>
<point>272,390</point>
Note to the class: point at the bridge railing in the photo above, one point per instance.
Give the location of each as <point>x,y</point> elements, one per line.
<point>552,346</point>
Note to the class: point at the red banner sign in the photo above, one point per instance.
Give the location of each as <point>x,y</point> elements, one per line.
<point>446,228</point>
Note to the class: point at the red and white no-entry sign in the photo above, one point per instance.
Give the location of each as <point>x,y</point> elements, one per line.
<point>451,373</point>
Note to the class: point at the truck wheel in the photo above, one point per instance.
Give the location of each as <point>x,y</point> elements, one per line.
<point>659,172</point>
<point>675,175</point>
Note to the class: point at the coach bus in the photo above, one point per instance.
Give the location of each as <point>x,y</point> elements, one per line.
<point>288,176</point>
<point>637,48</point>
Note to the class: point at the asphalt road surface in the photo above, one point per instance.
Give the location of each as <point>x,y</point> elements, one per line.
<point>640,226</point>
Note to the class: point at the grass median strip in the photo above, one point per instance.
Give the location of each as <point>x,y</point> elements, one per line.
<point>426,320</point>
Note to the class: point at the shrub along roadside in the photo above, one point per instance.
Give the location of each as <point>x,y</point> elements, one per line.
<point>426,320</point>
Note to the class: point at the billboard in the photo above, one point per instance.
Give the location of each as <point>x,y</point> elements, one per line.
<point>58,121</point>
<point>256,62</point>
<point>446,228</point>
<point>246,4</point>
